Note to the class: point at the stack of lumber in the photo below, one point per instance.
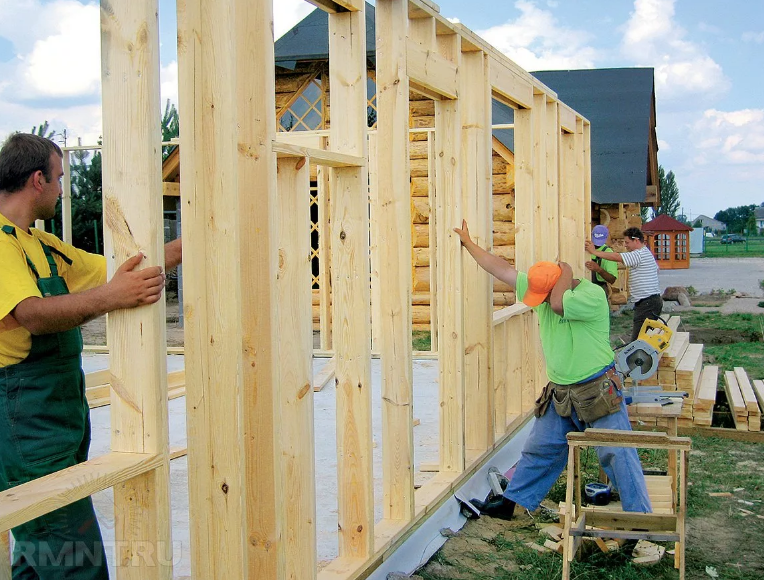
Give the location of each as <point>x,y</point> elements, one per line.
<point>705,397</point>
<point>743,401</point>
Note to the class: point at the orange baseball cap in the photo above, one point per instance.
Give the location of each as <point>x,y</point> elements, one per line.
<point>542,277</point>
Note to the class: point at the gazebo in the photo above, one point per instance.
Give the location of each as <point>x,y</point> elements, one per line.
<point>669,241</point>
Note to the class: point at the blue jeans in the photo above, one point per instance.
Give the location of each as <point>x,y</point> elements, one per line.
<point>545,455</point>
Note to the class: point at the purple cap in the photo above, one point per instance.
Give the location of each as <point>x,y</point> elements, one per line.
<point>599,235</point>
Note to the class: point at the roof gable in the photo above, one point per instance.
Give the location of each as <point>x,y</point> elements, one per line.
<point>664,223</point>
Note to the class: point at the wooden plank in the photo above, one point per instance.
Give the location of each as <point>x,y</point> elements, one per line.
<point>758,390</point>
<point>571,200</point>
<point>705,396</point>
<point>170,189</point>
<point>325,375</point>
<point>317,156</point>
<point>734,396</point>
<point>500,378</point>
<point>541,250</point>
<point>500,316</point>
<point>551,203</point>
<point>5,556</point>
<point>132,206</point>
<point>586,169</point>
<point>434,242</point>
<point>325,256</point>
<point>616,438</point>
<point>30,500</point>
<point>448,196</point>
<point>514,379</point>
<point>475,162</point>
<point>677,347</point>
<point>66,199</point>
<point>507,85</point>
<point>431,71</point>
<point>749,397</point>
<point>350,286</point>
<point>689,369</point>
<point>393,215</point>
<point>568,117</point>
<point>335,6</point>
<point>227,108</point>
<point>295,366</point>
<point>97,378</point>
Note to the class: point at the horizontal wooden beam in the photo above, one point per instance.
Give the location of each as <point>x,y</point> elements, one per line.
<point>431,71</point>
<point>567,117</point>
<point>630,520</point>
<point>317,156</point>
<point>335,6</point>
<point>171,188</point>
<point>617,438</point>
<point>509,311</point>
<point>508,86</point>
<point>41,496</point>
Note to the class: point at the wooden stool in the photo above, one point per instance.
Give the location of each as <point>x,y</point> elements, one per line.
<point>660,527</point>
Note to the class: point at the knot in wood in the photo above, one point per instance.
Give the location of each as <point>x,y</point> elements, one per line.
<point>224,487</point>
<point>359,529</point>
<point>343,235</point>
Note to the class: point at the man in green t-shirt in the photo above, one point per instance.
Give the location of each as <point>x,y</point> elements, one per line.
<point>604,272</point>
<point>574,326</point>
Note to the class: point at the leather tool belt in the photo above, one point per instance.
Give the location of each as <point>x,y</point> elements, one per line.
<point>592,399</point>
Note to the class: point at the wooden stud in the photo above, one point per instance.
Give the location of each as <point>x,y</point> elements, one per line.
<point>448,195</point>
<point>394,218</point>
<point>350,287</point>
<point>500,378</point>
<point>434,241</point>
<point>551,222</point>
<point>514,380</point>
<point>5,555</point>
<point>295,362</point>
<point>132,206</point>
<point>325,255</point>
<point>541,248</point>
<point>374,247</point>
<point>475,161</point>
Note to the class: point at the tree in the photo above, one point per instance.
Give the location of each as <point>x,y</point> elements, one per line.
<point>170,127</point>
<point>736,218</point>
<point>43,130</point>
<point>669,193</point>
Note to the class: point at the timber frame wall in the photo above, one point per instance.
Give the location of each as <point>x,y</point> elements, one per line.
<point>247,282</point>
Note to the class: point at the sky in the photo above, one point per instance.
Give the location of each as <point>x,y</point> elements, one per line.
<point>707,56</point>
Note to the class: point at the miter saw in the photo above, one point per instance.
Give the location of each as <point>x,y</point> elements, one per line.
<point>638,360</point>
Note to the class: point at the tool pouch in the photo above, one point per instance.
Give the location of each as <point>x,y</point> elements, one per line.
<point>543,401</point>
<point>592,400</point>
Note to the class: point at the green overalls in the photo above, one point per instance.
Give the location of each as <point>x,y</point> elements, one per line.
<point>45,427</point>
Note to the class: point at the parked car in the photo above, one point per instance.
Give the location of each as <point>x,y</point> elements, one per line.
<point>732,239</point>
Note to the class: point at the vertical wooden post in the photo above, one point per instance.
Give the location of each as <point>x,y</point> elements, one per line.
<point>5,555</point>
<point>524,191</point>
<point>448,194</point>
<point>227,104</point>
<point>552,200</point>
<point>542,246</point>
<point>500,375</point>
<point>374,248</point>
<point>582,163</point>
<point>434,241</point>
<point>570,205</point>
<point>514,380</point>
<point>296,369</point>
<point>587,145</point>
<point>324,256</point>
<point>394,237</point>
<point>132,207</point>
<point>66,200</point>
<point>350,271</point>
<point>476,167</point>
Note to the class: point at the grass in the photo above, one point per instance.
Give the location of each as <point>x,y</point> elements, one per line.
<point>753,248</point>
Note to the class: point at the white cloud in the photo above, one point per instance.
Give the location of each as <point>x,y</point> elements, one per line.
<point>732,137</point>
<point>66,63</point>
<point>653,38</point>
<point>168,87</point>
<point>536,41</point>
<point>755,37</point>
<point>663,145</point>
<point>287,13</point>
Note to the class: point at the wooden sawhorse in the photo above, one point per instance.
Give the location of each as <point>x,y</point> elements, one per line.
<point>663,527</point>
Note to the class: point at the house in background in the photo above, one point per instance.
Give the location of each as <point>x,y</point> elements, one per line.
<point>710,224</point>
<point>758,215</point>
<point>669,241</point>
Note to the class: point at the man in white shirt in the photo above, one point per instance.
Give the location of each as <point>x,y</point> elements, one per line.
<point>644,289</point>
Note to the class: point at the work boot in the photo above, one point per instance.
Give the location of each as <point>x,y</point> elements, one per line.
<point>501,507</point>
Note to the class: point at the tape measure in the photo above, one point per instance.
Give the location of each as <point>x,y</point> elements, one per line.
<point>598,493</point>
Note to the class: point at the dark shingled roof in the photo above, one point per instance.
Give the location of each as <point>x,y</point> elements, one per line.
<point>309,39</point>
<point>664,223</point>
<point>618,103</point>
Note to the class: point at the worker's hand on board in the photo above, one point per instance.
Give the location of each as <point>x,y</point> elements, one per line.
<point>464,233</point>
<point>565,267</point>
<point>591,265</point>
<point>589,246</point>
<point>130,288</point>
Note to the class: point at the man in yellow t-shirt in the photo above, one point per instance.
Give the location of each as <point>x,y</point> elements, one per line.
<point>47,290</point>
